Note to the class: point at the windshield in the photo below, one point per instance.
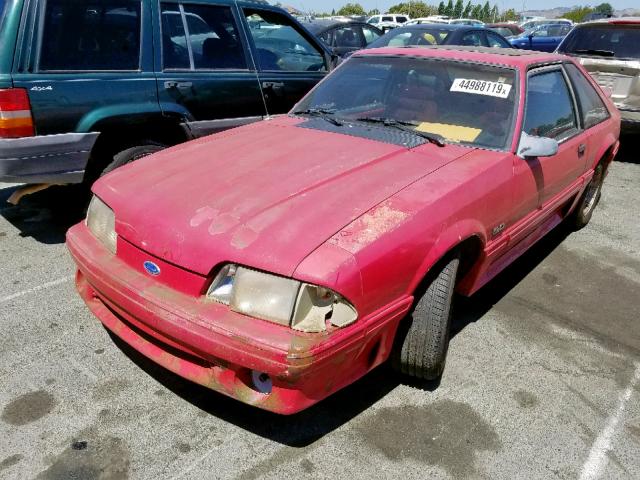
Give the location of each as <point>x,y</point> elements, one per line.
<point>620,41</point>
<point>412,36</point>
<point>467,103</point>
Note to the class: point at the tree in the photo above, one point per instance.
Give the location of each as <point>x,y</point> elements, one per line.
<point>352,9</point>
<point>441,8</point>
<point>448,11</point>
<point>476,12</point>
<point>486,12</point>
<point>413,9</point>
<point>509,15</point>
<point>605,9</point>
<point>375,11</point>
<point>467,10</point>
<point>333,12</point>
<point>494,13</point>
<point>578,13</point>
<point>458,9</point>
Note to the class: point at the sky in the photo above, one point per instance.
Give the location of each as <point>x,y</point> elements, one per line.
<point>328,5</point>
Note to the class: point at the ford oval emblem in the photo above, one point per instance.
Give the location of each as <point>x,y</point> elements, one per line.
<point>151,268</point>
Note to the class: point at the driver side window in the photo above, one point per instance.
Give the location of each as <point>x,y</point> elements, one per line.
<point>279,46</point>
<point>549,109</point>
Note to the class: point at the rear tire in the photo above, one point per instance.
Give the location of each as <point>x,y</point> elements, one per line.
<point>422,342</point>
<point>589,200</point>
<point>132,154</point>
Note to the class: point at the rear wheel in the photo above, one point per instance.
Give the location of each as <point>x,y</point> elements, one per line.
<point>421,344</point>
<point>589,200</point>
<point>132,154</point>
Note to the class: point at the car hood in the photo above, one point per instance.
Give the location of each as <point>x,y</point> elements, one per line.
<point>265,195</point>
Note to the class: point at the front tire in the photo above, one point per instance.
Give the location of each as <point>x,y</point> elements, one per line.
<point>132,154</point>
<point>589,200</point>
<point>421,344</point>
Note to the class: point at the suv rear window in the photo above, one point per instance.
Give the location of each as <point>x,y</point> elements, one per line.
<point>620,41</point>
<point>91,36</point>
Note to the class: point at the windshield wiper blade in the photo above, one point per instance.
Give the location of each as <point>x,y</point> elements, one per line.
<point>323,113</point>
<point>408,127</point>
<point>602,53</point>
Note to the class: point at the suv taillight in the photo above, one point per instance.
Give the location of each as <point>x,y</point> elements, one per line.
<point>15,114</point>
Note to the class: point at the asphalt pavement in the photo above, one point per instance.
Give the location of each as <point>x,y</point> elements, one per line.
<point>542,380</point>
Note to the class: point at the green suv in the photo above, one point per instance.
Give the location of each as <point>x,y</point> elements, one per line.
<point>89,85</point>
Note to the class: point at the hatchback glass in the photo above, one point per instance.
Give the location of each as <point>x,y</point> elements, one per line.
<point>619,41</point>
<point>466,103</point>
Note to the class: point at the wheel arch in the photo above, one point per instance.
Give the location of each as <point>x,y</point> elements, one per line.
<point>464,238</point>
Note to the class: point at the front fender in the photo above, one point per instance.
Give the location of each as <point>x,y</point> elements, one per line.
<point>450,237</point>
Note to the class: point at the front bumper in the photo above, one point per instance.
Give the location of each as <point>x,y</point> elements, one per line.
<point>206,343</point>
<point>46,159</point>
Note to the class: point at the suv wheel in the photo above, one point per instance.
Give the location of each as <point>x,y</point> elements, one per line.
<point>421,344</point>
<point>132,154</point>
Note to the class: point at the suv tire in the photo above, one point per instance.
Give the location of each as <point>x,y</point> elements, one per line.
<point>132,154</point>
<point>421,343</point>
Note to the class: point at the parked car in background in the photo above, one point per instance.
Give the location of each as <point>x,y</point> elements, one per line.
<point>610,50</point>
<point>388,21</point>
<point>466,21</point>
<point>545,21</point>
<point>431,19</point>
<point>507,30</point>
<point>86,87</point>
<point>344,37</point>
<point>283,262</point>
<point>440,34</point>
<point>544,38</point>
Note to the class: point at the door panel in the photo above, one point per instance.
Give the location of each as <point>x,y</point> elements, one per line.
<point>551,112</point>
<point>204,69</point>
<point>290,62</point>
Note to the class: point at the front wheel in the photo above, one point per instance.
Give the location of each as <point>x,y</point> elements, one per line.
<point>589,200</point>
<point>421,344</point>
<point>132,154</point>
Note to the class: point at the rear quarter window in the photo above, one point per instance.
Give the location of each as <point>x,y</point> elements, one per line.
<point>91,36</point>
<point>592,108</point>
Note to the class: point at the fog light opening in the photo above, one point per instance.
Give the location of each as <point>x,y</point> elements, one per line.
<point>261,382</point>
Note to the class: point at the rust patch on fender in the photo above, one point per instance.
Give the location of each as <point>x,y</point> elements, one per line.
<point>369,227</point>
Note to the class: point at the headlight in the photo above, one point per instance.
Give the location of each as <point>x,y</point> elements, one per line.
<point>280,300</point>
<point>101,221</point>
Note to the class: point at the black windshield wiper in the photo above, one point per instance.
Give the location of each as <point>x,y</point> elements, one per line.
<point>405,127</point>
<point>324,113</point>
<point>602,53</point>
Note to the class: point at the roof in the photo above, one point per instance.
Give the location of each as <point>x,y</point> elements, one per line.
<point>321,24</point>
<point>613,20</point>
<point>500,56</point>
<point>440,26</point>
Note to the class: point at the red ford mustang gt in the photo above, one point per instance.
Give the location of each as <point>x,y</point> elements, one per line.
<point>278,262</point>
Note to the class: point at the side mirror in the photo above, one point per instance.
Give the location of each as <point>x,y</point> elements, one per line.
<point>531,146</point>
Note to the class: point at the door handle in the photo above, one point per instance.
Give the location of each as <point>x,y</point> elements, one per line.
<point>581,149</point>
<point>179,85</point>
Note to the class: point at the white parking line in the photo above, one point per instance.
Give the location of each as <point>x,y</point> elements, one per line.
<point>36,289</point>
<point>594,466</point>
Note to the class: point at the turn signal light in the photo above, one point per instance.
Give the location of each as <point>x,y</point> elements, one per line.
<point>15,114</point>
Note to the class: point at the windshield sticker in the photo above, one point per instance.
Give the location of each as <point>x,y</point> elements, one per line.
<point>455,133</point>
<point>481,87</point>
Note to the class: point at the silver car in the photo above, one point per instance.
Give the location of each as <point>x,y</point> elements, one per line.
<point>610,50</point>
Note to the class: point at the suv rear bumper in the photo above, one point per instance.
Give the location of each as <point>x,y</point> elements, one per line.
<point>46,158</point>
